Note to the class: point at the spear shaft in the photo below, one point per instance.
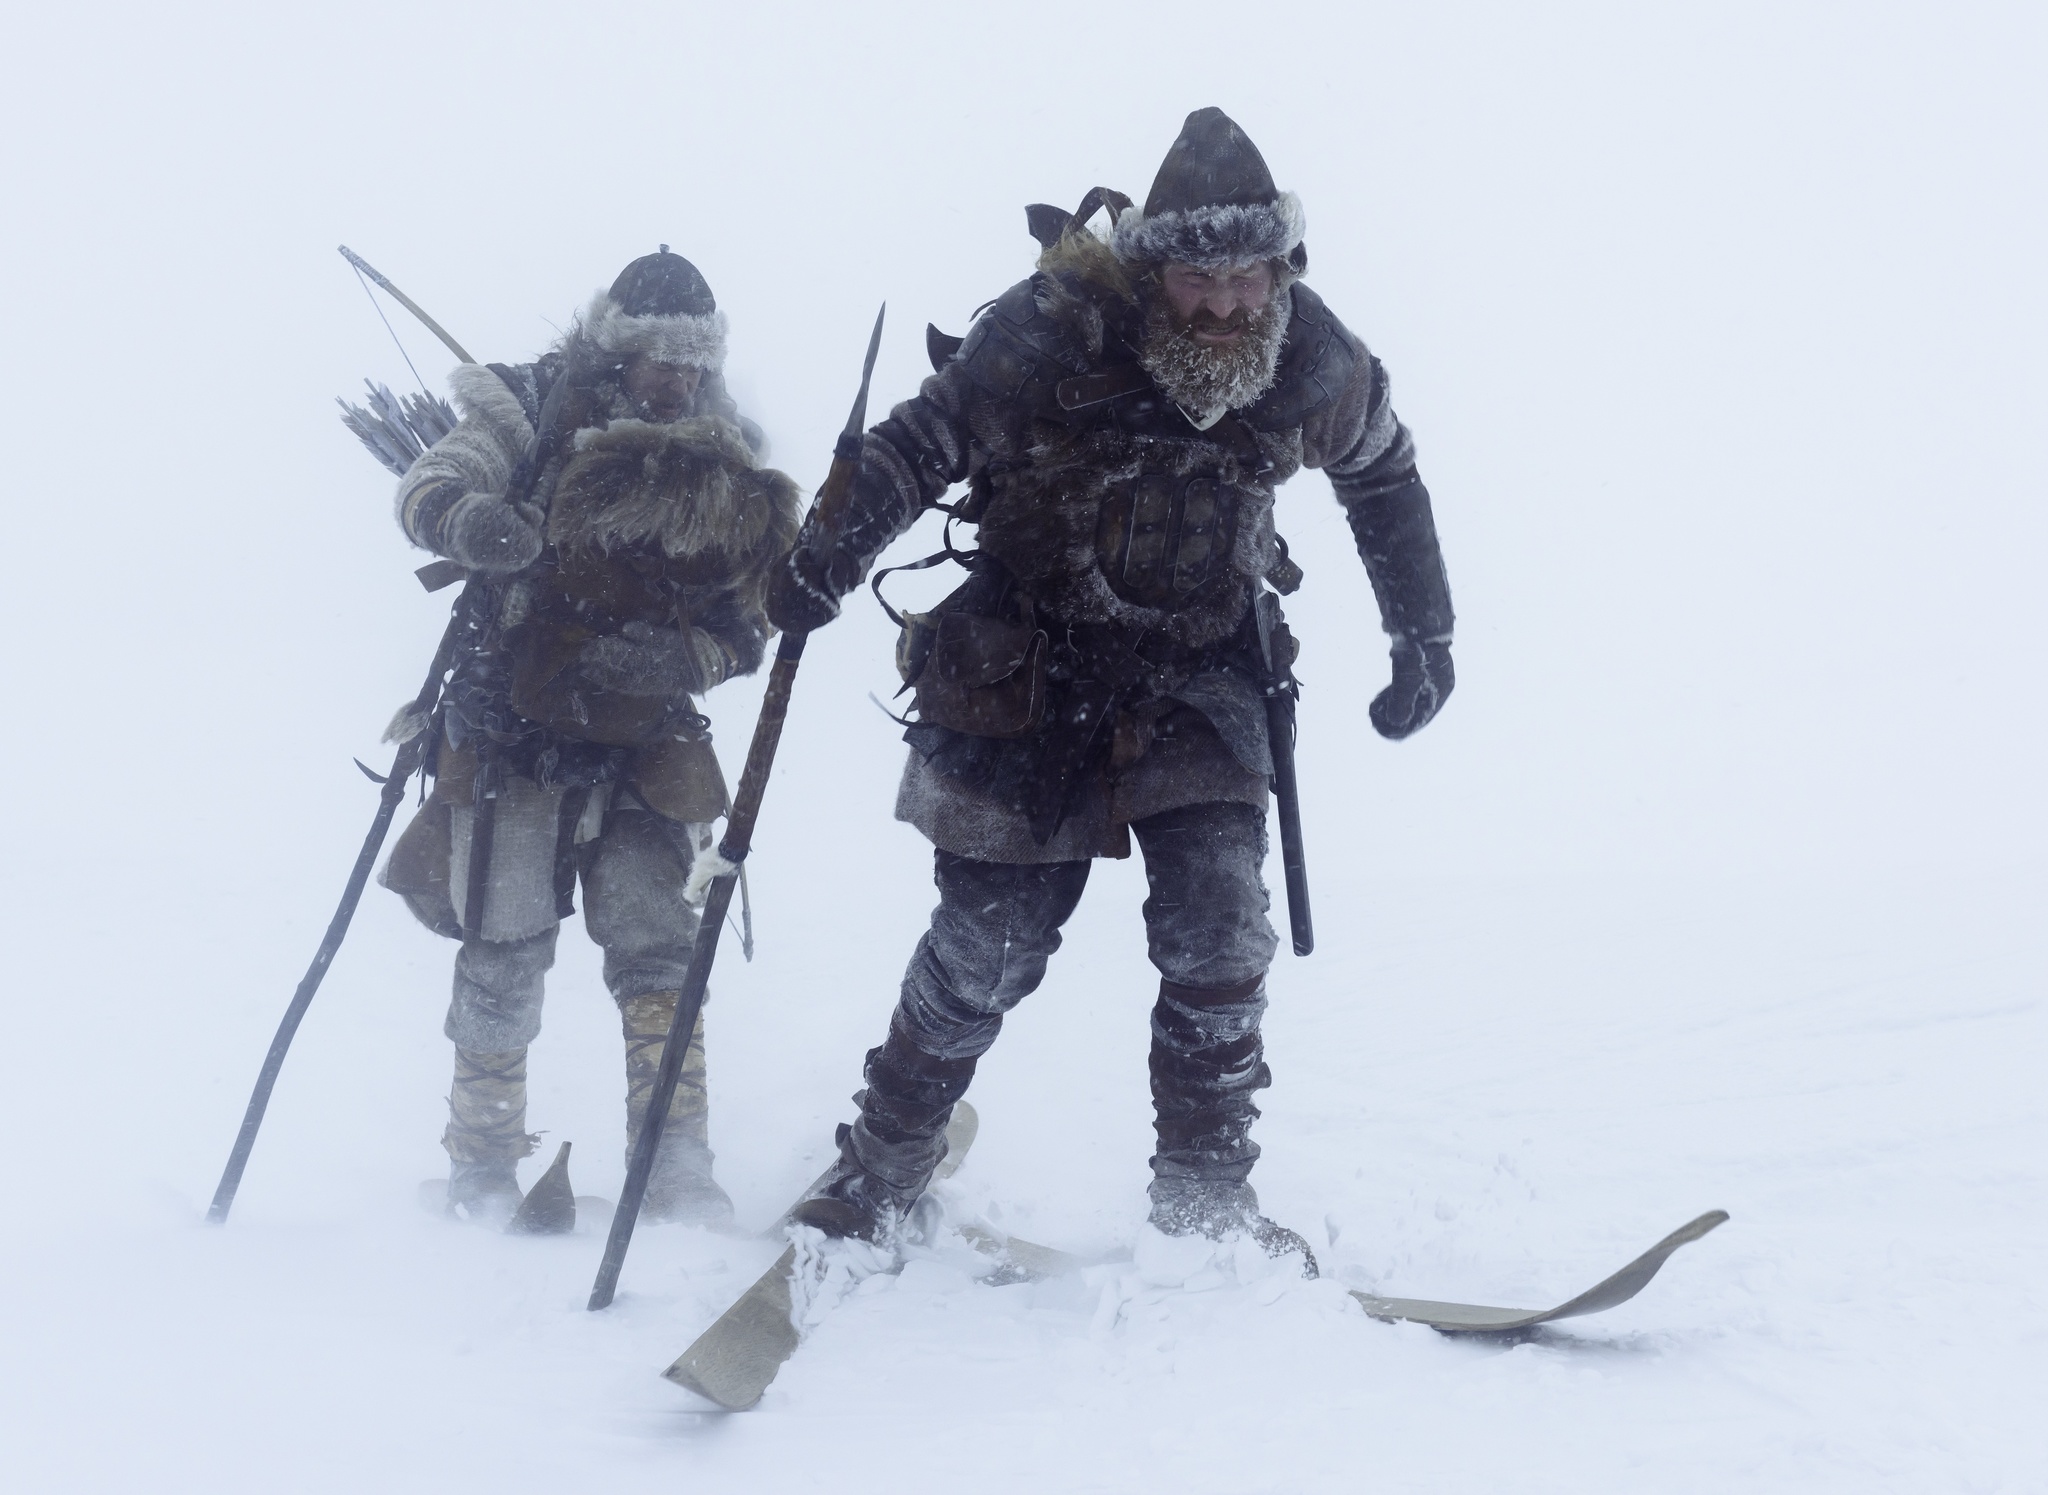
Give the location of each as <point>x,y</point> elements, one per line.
<point>733,848</point>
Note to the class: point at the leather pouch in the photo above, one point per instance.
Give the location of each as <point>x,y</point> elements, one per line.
<point>679,778</point>
<point>546,688</point>
<point>982,676</point>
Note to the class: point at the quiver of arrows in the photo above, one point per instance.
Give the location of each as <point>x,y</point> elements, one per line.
<point>397,431</point>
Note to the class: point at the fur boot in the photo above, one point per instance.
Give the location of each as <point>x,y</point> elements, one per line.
<point>681,1188</point>
<point>486,1135</point>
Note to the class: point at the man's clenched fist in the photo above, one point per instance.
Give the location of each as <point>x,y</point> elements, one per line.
<point>798,600</point>
<point>1423,678</point>
<point>484,533</point>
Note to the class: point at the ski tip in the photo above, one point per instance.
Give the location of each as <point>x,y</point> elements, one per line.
<point>549,1207</point>
<point>1609,1292</point>
<point>1693,1229</point>
<point>960,1134</point>
<point>681,1375</point>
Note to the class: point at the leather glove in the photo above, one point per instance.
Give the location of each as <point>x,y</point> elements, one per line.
<point>487,534</point>
<point>799,601</point>
<point>1423,678</point>
<point>643,660</point>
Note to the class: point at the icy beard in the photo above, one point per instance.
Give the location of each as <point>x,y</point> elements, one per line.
<point>1206,379</point>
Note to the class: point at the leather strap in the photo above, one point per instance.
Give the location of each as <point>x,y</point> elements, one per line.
<point>1113,383</point>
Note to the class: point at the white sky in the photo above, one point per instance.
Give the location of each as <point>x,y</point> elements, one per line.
<point>1717,333</point>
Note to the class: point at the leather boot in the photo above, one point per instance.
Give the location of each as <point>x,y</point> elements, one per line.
<point>1207,1062</point>
<point>680,1189</point>
<point>486,1135</point>
<point>887,1157</point>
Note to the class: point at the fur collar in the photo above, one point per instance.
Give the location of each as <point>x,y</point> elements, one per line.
<point>1088,296</point>
<point>690,487</point>
<point>1084,256</point>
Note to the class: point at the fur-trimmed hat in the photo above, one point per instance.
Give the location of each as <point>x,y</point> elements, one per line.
<point>661,306</point>
<point>1212,204</point>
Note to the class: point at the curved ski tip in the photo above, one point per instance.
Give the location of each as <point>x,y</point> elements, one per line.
<point>960,1134</point>
<point>549,1207</point>
<point>1609,1292</point>
<point>1692,1230</point>
<point>680,1375</point>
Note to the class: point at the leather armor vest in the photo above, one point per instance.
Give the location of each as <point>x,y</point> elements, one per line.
<point>1124,512</point>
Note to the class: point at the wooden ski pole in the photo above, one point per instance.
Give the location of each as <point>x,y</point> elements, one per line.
<point>407,762</point>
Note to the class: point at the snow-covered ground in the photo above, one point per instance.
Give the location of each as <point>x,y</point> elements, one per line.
<point>1718,884</point>
<point>1519,1088</point>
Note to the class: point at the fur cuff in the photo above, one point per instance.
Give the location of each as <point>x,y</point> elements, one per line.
<point>1209,238</point>
<point>694,342</point>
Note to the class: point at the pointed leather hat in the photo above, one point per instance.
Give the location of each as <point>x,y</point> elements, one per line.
<point>1213,203</point>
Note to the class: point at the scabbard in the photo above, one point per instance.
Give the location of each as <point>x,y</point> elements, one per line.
<point>1280,737</point>
<point>483,831</point>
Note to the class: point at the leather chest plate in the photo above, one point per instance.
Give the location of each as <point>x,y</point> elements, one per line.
<point>1161,535</point>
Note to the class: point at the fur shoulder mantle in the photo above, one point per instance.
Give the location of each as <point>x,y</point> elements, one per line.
<point>691,487</point>
<point>1087,291</point>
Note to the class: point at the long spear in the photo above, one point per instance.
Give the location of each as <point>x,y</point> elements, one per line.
<point>738,840</point>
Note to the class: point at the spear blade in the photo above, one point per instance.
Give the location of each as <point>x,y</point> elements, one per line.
<point>857,422</point>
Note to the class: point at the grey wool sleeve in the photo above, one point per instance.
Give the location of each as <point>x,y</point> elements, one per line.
<point>1370,458</point>
<point>476,458</point>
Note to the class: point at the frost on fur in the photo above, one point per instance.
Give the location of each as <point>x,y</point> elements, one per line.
<point>1211,237</point>
<point>696,342</point>
<point>407,723</point>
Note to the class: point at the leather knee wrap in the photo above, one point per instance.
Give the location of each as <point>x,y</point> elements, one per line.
<point>911,1093</point>
<point>1206,1064</point>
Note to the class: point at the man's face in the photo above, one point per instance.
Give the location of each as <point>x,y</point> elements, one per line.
<point>666,391</point>
<point>1215,305</point>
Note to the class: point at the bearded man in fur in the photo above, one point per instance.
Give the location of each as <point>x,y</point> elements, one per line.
<point>630,582</point>
<point>1123,418</point>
